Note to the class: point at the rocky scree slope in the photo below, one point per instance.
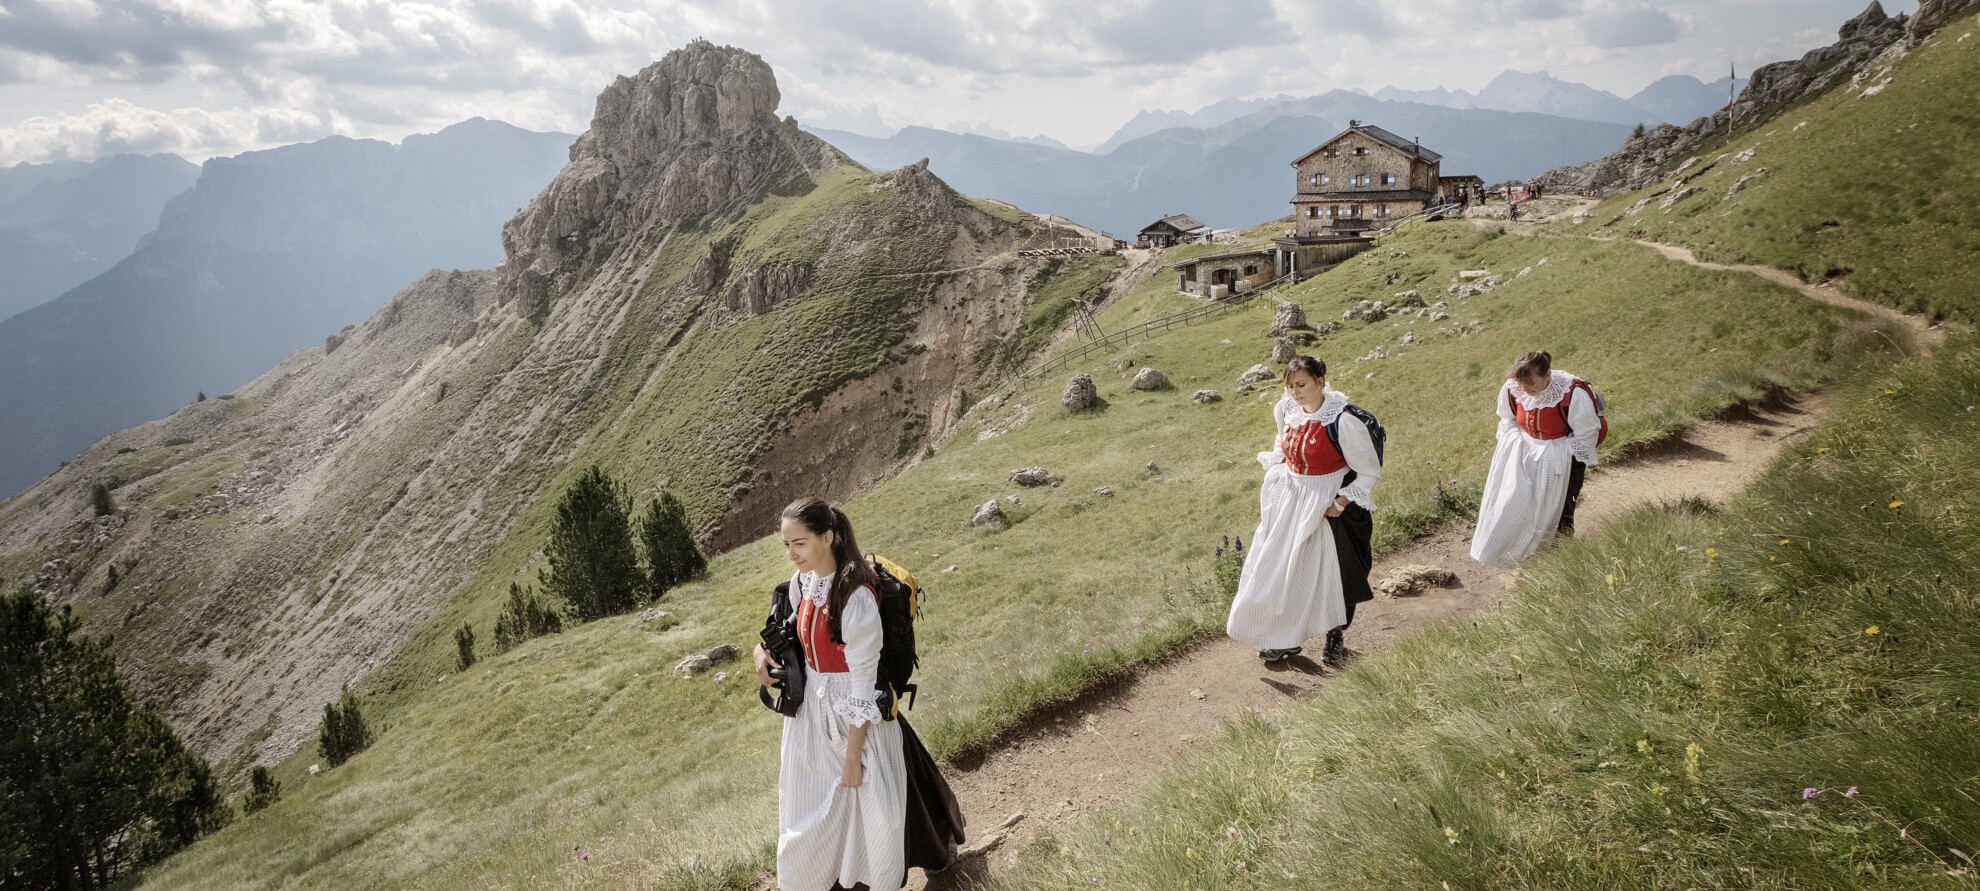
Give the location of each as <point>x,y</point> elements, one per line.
<point>1865,46</point>
<point>703,287</point>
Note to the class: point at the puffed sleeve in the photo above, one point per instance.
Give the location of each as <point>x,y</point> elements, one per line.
<point>1507,425</point>
<point>1584,425</point>
<point>1359,450</point>
<point>860,626</point>
<point>1278,453</point>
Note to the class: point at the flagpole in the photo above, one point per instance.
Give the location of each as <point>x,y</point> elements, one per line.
<point>1732,98</point>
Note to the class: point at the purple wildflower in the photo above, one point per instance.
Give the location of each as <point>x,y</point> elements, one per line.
<point>1809,793</point>
<point>1851,793</point>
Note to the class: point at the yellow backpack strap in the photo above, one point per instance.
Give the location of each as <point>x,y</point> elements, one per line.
<point>906,578</point>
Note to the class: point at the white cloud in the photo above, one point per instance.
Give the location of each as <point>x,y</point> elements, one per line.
<point>218,76</point>
<point>114,126</point>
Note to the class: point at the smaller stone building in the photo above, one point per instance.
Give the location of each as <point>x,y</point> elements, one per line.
<point>1222,275</point>
<point>1173,230</point>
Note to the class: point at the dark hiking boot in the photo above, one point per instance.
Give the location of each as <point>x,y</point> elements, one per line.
<point>1278,655</point>
<point>1336,653</point>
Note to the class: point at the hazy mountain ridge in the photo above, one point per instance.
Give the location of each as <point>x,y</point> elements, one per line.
<point>269,252</point>
<point>62,223</point>
<point>675,317</point>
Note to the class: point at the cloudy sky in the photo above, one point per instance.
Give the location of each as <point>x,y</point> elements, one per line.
<point>85,78</point>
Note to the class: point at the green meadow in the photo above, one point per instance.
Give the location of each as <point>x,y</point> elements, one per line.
<point>585,743</point>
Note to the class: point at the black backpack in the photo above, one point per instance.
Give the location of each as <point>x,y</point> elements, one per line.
<point>1376,434</point>
<point>900,605</point>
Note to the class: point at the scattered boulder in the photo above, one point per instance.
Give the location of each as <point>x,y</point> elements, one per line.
<point>653,615</point>
<point>700,662</point>
<point>1031,476</point>
<point>1409,338</point>
<point>1256,374</point>
<point>1205,397</point>
<point>1367,311</point>
<point>1080,393</point>
<point>1474,273</point>
<point>990,514</point>
<point>1410,299</point>
<point>1152,468</point>
<point>1678,195</point>
<point>952,568</point>
<point>1150,379</point>
<point>1289,316</point>
<point>1415,578</point>
<point>1327,328</point>
<point>1739,185</point>
<point>1523,271</point>
<point>1103,490</point>
<point>1283,350</point>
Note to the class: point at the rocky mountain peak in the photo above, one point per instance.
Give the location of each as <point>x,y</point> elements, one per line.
<point>692,138</point>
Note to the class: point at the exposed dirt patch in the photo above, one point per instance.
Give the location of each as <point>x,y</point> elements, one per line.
<point>1086,755</point>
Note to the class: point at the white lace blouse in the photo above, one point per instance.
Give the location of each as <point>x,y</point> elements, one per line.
<point>1357,447</point>
<point>1584,425</point>
<point>851,695</point>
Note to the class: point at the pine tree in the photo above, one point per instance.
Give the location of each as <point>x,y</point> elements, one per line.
<point>671,554</point>
<point>102,784</point>
<point>1636,133</point>
<point>344,733</point>
<point>592,563</point>
<point>100,500</point>
<point>263,790</point>
<point>464,641</point>
<point>526,616</point>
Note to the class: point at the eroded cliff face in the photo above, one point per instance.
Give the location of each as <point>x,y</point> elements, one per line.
<point>706,300</point>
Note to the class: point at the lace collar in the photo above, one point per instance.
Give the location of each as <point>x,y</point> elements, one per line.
<point>1330,408</point>
<point>1557,387</point>
<point>815,588</point>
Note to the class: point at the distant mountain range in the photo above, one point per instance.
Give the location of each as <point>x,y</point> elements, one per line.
<point>1233,173</point>
<point>64,222</point>
<point>268,253</point>
<point>1677,99</point>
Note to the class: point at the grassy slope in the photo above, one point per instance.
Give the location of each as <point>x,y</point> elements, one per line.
<point>1879,187</point>
<point>1647,709</point>
<point>487,780</point>
<point>1550,745</point>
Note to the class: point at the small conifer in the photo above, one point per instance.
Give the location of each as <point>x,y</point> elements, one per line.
<point>464,641</point>
<point>263,790</point>
<point>100,500</point>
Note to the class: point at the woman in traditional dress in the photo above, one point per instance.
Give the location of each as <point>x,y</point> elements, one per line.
<point>1548,428</point>
<point>842,787</point>
<point>1323,461</point>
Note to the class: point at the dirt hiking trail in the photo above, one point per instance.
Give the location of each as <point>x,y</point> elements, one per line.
<point>1075,759</point>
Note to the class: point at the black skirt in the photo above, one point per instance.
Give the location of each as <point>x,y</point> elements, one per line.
<point>1354,533</point>
<point>934,821</point>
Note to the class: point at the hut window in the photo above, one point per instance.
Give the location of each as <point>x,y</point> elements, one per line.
<point>1313,212</point>
<point>1388,179</point>
<point>1325,179</point>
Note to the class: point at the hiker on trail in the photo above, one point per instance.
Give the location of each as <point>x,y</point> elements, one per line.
<point>1309,559</point>
<point>1549,424</point>
<point>859,799</point>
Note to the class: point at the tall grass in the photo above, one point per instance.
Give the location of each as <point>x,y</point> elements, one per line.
<point>1781,694</point>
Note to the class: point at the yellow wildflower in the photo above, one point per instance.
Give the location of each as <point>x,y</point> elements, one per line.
<point>1692,754</point>
<point>1896,504</point>
<point>1822,451</point>
<point>1786,541</point>
<point>1711,554</point>
<point>1873,630</point>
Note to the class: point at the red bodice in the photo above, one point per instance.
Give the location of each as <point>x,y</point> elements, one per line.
<point>1308,450</point>
<point>815,631</point>
<point>1541,423</point>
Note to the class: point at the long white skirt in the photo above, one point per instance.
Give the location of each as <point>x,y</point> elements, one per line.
<point>827,833</point>
<point>1290,590</point>
<point>1524,494</point>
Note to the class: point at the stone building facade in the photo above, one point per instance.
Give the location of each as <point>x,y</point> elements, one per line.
<point>1365,173</point>
<point>1221,275</point>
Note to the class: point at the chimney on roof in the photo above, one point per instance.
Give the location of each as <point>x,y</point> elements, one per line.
<point>1352,123</point>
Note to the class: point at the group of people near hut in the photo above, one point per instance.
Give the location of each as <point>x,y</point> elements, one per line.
<point>860,799</point>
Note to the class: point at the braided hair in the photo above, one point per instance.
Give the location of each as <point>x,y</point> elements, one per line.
<point>818,518</point>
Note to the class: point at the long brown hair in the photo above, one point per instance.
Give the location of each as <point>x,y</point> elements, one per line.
<point>819,518</point>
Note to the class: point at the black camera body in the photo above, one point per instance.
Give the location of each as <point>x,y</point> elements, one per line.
<point>780,640</point>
